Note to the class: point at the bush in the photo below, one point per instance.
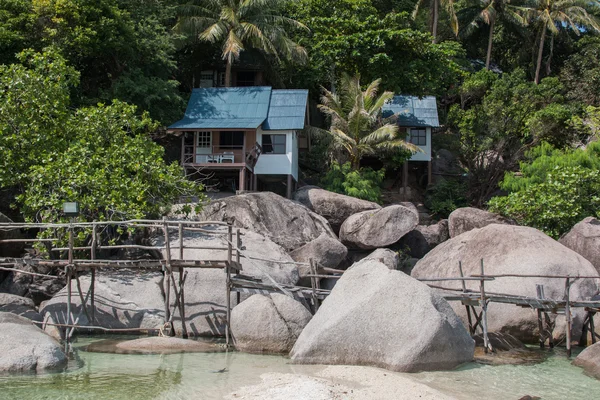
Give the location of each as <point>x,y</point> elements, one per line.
<point>364,183</point>
<point>445,197</point>
<point>554,205</point>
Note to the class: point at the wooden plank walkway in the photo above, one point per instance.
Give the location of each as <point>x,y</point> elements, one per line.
<point>174,265</point>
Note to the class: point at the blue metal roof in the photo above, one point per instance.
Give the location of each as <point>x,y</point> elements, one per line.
<point>226,108</point>
<point>244,108</point>
<point>287,110</point>
<point>413,111</point>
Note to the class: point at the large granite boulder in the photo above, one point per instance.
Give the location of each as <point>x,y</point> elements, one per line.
<point>335,207</point>
<point>154,345</point>
<point>378,228</point>
<point>123,299</point>
<point>422,239</point>
<point>325,252</point>
<point>268,324</point>
<point>285,222</point>
<point>589,360</point>
<point>205,290</point>
<point>467,218</point>
<point>509,249</point>
<point>386,256</point>
<point>19,305</point>
<point>584,238</point>
<point>25,347</point>
<point>36,288</point>
<point>15,249</point>
<point>379,317</point>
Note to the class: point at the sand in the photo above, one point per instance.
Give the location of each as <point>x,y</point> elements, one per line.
<point>338,382</point>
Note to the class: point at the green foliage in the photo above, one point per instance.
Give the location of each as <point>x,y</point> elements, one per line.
<point>363,183</point>
<point>100,156</point>
<point>350,36</point>
<point>122,49</point>
<point>541,160</point>
<point>563,198</point>
<point>445,197</point>
<point>500,119</point>
<point>17,28</point>
<point>581,72</point>
<point>34,107</point>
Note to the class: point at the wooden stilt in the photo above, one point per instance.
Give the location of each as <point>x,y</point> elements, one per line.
<point>568,314</point>
<point>228,283</point>
<point>254,182</point>
<point>592,328</point>
<point>68,271</point>
<point>486,340</point>
<point>464,289</point>
<point>242,185</point>
<point>429,178</point>
<point>313,284</point>
<point>93,271</point>
<point>184,332</point>
<point>405,180</point>
<point>290,184</point>
<point>540,295</point>
<point>167,278</point>
<point>238,239</point>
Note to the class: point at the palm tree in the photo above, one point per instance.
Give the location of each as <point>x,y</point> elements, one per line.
<point>357,127</point>
<point>435,15</point>
<point>552,15</point>
<point>488,12</point>
<point>239,24</point>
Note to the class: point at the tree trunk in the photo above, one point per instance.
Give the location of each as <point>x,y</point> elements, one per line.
<point>549,62</point>
<point>540,52</point>
<point>488,57</point>
<point>434,20</point>
<point>228,73</point>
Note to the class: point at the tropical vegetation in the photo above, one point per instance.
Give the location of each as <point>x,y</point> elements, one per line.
<point>516,83</point>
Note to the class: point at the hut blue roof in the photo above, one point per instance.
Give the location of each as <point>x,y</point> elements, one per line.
<point>244,108</point>
<point>287,110</point>
<point>413,111</point>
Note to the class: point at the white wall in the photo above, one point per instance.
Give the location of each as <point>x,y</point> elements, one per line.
<point>426,155</point>
<point>278,164</point>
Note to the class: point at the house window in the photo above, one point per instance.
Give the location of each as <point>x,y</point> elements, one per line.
<point>231,140</point>
<point>204,140</point>
<point>273,144</point>
<point>245,78</point>
<point>206,79</point>
<point>221,79</point>
<point>418,136</point>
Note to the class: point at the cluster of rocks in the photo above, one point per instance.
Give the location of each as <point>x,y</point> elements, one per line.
<point>378,313</point>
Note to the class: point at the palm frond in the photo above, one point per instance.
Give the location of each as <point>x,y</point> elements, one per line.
<point>384,133</point>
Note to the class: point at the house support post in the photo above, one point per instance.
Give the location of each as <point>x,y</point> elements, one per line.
<point>242,186</point>
<point>254,182</point>
<point>429,180</point>
<point>404,179</point>
<point>290,184</point>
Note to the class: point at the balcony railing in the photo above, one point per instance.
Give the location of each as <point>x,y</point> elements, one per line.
<point>219,155</point>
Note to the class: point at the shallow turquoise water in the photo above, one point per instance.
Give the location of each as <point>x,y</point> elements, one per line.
<point>192,376</point>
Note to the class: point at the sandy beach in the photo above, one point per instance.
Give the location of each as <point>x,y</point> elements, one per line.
<point>338,382</point>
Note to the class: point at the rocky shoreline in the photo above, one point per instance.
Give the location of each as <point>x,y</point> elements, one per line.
<point>378,314</point>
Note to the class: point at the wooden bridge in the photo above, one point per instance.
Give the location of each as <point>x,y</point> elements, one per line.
<point>94,252</point>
